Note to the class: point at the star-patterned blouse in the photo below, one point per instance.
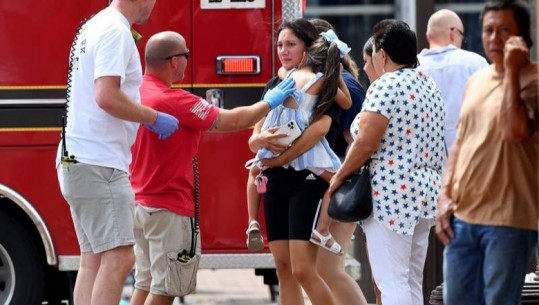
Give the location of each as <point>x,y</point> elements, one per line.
<point>406,169</point>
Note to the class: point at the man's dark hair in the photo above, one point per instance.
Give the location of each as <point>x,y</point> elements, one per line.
<point>521,15</point>
<point>397,40</point>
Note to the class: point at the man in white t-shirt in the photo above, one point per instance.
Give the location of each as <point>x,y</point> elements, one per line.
<point>103,115</point>
<point>449,65</point>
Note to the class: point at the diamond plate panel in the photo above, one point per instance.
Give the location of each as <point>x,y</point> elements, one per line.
<point>291,9</point>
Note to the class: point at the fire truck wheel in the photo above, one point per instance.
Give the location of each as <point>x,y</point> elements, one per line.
<point>21,268</point>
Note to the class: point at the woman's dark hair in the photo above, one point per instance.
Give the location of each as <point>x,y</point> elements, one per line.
<point>302,28</point>
<point>322,25</point>
<point>324,56</point>
<point>367,48</point>
<point>521,15</point>
<point>347,62</point>
<point>397,40</point>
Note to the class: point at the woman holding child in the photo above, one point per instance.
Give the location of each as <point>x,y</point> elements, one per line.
<point>294,191</point>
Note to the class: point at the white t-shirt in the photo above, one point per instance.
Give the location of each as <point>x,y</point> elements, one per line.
<point>105,47</point>
<point>450,67</point>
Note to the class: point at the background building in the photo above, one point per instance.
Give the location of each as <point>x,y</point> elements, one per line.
<point>354,19</point>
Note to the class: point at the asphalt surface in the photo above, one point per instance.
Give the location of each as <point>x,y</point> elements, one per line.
<point>237,287</point>
<point>225,287</point>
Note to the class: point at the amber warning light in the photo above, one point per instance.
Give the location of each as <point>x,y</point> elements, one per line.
<point>238,65</point>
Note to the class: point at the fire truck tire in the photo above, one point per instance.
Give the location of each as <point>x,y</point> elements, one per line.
<point>21,267</point>
<point>59,286</point>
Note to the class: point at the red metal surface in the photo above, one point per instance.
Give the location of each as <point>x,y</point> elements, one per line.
<point>169,15</point>
<point>223,181</point>
<point>30,137</point>
<point>37,37</point>
<point>210,33</point>
<point>230,32</point>
<point>35,54</point>
<point>28,168</point>
<point>39,44</point>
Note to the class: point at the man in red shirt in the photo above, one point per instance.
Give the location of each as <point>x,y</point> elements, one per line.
<point>162,171</point>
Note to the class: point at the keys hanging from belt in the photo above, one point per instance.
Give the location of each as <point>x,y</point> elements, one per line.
<point>260,182</point>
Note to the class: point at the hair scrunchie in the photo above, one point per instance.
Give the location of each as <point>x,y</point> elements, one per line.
<point>330,36</point>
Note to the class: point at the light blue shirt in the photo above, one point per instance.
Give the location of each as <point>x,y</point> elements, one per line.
<point>450,67</point>
<point>320,156</point>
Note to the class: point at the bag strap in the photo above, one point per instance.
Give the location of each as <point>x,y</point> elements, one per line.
<point>366,165</point>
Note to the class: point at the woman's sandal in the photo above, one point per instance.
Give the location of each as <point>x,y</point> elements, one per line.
<point>255,242</point>
<point>323,240</point>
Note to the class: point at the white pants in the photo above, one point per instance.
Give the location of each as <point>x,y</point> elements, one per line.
<point>397,261</point>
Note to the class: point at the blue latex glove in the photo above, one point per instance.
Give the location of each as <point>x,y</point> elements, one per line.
<point>277,95</point>
<point>164,125</point>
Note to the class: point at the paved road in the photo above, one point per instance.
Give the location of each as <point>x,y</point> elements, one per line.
<point>232,287</point>
<point>226,287</point>
<point>229,287</point>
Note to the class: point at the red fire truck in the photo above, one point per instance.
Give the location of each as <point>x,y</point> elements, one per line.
<point>232,45</point>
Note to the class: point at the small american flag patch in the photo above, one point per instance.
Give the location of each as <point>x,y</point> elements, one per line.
<point>201,109</point>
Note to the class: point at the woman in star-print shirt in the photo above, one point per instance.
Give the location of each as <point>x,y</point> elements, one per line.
<point>400,128</point>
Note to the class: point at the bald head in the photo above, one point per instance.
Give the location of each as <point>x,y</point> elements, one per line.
<point>444,28</point>
<point>162,45</point>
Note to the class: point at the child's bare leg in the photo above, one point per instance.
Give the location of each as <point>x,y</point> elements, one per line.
<point>321,233</point>
<point>255,241</point>
<point>324,221</point>
<point>253,197</point>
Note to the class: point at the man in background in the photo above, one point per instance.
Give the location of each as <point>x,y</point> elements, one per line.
<point>449,65</point>
<point>487,208</point>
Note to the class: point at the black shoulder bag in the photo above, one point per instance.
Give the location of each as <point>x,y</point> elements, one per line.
<point>352,201</point>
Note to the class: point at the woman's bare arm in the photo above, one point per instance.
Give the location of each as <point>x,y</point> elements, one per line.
<point>310,136</point>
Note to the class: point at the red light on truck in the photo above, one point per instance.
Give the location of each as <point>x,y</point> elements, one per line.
<point>238,65</point>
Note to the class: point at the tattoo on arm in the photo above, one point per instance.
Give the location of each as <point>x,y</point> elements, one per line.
<point>215,123</point>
